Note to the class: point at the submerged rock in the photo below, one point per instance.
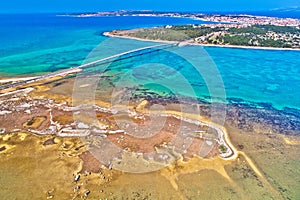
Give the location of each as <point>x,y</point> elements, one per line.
<point>77,177</point>
<point>87,192</point>
<point>2,130</point>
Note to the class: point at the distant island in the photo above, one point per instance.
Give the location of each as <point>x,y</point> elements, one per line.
<point>224,30</point>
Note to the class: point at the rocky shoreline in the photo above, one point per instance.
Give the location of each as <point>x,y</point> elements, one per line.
<point>91,177</point>
<point>43,116</point>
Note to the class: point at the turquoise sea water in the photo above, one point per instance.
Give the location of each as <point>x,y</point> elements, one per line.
<point>39,43</point>
<point>35,44</point>
<point>260,75</point>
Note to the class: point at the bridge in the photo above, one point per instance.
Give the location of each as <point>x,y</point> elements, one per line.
<point>139,51</point>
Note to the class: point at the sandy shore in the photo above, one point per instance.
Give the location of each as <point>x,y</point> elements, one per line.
<point>6,80</point>
<point>108,34</point>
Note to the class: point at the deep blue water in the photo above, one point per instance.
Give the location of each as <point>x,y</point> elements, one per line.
<point>41,43</point>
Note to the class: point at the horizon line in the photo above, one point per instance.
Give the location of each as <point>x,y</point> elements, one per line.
<point>178,11</point>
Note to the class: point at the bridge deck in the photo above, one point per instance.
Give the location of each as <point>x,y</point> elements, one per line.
<point>91,64</point>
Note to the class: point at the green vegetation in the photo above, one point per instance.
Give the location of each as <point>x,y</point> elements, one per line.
<point>257,35</point>
<point>223,149</point>
<point>262,35</point>
<point>160,34</point>
<point>195,31</point>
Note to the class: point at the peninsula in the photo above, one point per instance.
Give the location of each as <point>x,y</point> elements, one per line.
<point>233,35</point>
<point>219,30</point>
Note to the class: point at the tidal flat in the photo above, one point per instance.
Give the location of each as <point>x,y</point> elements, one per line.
<point>48,166</point>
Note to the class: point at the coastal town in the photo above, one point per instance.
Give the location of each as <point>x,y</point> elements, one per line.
<point>236,19</point>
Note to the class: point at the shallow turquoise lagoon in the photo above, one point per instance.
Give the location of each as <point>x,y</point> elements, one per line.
<point>36,44</point>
